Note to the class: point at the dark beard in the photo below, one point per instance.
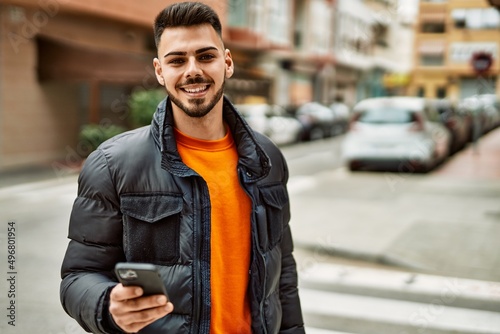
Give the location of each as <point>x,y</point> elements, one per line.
<point>198,109</point>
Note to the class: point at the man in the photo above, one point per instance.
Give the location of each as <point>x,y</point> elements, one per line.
<point>198,194</point>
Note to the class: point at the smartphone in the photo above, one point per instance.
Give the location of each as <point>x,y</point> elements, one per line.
<point>145,275</point>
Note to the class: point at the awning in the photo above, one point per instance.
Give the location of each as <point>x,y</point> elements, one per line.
<point>391,80</point>
<point>433,17</point>
<point>432,48</point>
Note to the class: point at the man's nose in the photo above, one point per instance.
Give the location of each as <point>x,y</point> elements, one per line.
<point>193,68</point>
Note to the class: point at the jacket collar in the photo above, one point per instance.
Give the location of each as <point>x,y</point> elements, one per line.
<point>252,157</point>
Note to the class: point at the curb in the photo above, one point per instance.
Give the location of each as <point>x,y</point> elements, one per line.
<point>403,286</point>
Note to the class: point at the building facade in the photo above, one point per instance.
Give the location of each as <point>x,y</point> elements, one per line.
<point>372,42</point>
<point>448,35</point>
<point>68,63</point>
<point>289,43</point>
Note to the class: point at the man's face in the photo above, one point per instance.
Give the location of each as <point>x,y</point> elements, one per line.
<point>192,64</point>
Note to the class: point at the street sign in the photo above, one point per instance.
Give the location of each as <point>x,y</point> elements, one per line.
<point>481,61</point>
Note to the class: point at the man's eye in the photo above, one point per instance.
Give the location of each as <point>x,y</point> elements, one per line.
<point>207,57</point>
<point>176,61</point>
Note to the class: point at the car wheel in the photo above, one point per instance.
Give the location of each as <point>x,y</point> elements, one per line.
<point>316,133</point>
<point>354,166</point>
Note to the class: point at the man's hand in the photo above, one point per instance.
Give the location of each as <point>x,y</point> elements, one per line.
<point>132,312</point>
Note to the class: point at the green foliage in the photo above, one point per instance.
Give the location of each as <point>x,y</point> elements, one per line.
<point>143,105</point>
<point>93,135</point>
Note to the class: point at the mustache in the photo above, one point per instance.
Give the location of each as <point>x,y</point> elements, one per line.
<point>194,81</point>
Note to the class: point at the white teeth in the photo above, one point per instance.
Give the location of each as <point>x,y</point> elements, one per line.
<point>195,90</point>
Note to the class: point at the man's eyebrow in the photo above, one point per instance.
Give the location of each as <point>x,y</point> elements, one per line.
<point>208,48</point>
<point>183,53</point>
<point>175,53</point>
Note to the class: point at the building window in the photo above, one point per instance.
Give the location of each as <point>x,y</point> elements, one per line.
<point>458,17</point>
<point>491,18</point>
<point>462,52</point>
<point>237,13</point>
<point>278,22</point>
<point>380,34</point>
<point>320,31</point>
<point>433,27</point>
<point>431,60</point>
<point>300,24</point>
<point>431,53</point>
<point>441,92</point>
<point>476,18</point>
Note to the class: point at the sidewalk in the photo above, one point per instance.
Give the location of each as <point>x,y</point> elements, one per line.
<point>480,162</point>
<point>42,172</point>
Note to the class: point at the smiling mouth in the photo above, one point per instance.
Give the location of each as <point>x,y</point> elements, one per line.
<point>196,90</point>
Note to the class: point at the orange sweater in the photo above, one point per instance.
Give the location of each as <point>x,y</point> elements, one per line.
<point>216,162</point>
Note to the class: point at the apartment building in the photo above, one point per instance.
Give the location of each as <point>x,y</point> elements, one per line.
<point>448,35</point>
<point>256,28</point>
<point>289,43</point>
<point>372,44</point>
<point>392,38</point>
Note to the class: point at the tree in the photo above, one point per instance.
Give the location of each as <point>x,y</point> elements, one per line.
<point>143,105</point>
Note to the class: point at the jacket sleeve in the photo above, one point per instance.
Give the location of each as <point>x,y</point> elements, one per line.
<point>95,233</point>
<point>292,321</point>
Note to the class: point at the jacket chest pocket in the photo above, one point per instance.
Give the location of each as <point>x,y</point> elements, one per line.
<point>151,227</point>
<point>273,216</point>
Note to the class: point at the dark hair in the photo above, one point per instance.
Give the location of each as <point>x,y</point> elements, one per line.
<point>185,14</point>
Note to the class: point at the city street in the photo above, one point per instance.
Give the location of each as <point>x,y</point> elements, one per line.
<point>442,223</point>
<point>414,250</point>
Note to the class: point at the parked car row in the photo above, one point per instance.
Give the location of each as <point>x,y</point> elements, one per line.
<point>410,134</point>
<point>405,134</point>
<point>457,121</point>
<point>320,121</point>
<point>484,109</point>
<point>309,121</point>
<point>272,121</point>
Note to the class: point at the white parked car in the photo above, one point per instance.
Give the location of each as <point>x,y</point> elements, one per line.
<point>272,121</point>
<point>396,133</point>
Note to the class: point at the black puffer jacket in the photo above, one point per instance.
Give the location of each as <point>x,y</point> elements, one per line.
<point>138,202</point>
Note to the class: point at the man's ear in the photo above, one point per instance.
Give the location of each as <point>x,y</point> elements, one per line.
<point>229,64</point>
<point>158,71</point>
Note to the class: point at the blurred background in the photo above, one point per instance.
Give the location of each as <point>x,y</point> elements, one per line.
<point>68,64</point>
<point>387,112</point>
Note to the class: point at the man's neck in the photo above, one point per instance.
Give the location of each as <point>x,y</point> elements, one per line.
<point>209,127</point>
